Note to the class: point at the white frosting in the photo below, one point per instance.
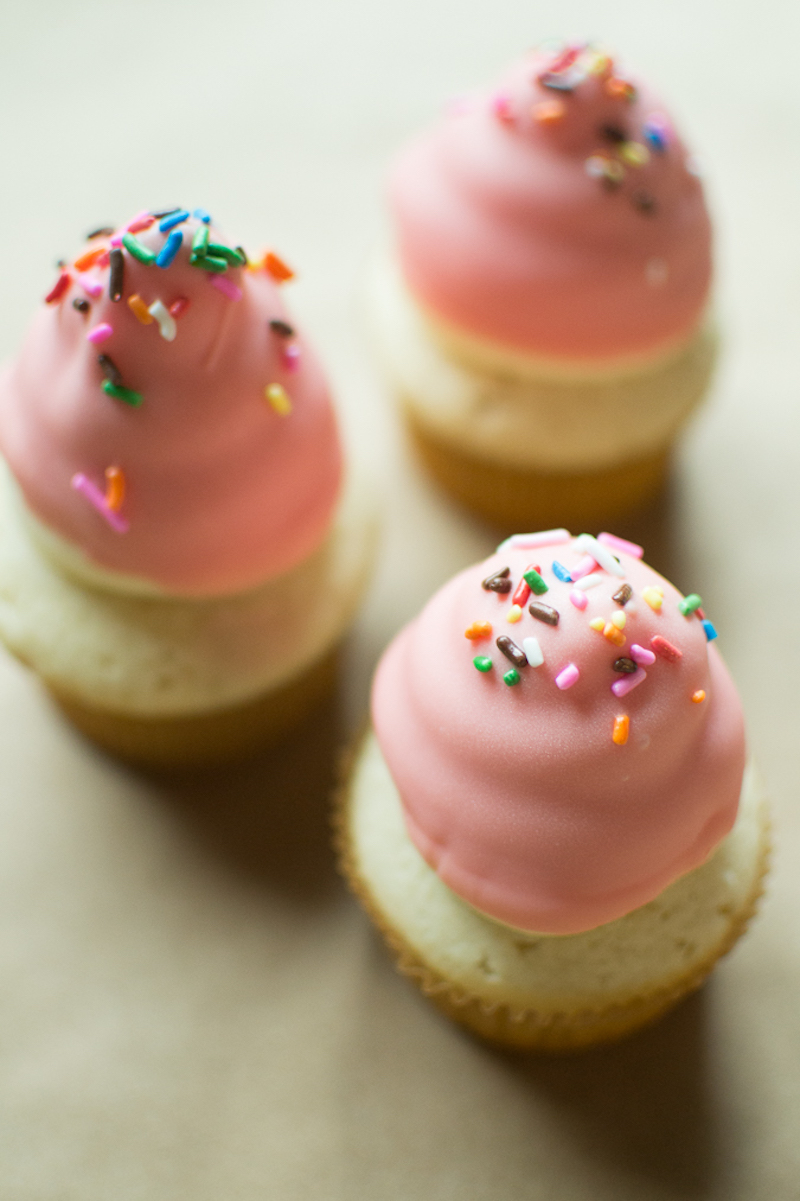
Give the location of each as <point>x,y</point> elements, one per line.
<point>529,412</point>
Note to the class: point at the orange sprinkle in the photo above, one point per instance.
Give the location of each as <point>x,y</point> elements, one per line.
<point>90,258</point>
<point>548,112</point>
<point>139,309</point>
<point>699,696</point>
<point>620,88</point>
<point>614,635</point>
<point>478,629</point>
<point>115,488</point>
<point>622,726</point>
<point>276,267</point>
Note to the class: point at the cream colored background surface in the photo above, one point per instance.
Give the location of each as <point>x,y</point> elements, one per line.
<point>191,1007</point>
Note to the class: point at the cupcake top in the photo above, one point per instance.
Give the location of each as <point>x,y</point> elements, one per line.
<point>564,740</point>
<point>556,214</point>
<point>165,417</point>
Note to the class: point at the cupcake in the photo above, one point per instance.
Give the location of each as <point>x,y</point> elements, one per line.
<point>553,821</point>
<point>179,554</point>
<point>543,311</point>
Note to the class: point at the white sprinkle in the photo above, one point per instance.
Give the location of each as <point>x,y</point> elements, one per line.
<point>589,581</point>
<point>533,652</point>
<point>601,554</point>
<point>166,322</point>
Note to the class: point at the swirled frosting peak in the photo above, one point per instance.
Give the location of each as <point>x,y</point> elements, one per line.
<point>564,740</point>
<point>164,416</point>
<point>556,214</point>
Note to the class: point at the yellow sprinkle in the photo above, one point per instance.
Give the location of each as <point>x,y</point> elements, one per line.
<point>634,153</point>
<point>699,696</point>
<point>514,613</point>
<point>614,635</point>
<point>654,597</point>
<point>478,629</point>
<point>597,623</point>
<point>618,619</point>
<point>622,725</point>
<point>279,399</point>
<point>139,309</point>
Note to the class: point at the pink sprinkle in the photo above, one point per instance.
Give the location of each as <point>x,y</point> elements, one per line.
<point>584,567</point>
<point>96,498</point>
<point>543,538</point>
<point>291,357</point>
<point>627,684</point>
<point>501,107</point>
<point>141,221</point>
<point>226,286</point>
<point>91,287</point>
<point>99,333</point>
<point>116,240</point>
<point>642,656</point>
<point>579,599</point>
<point>569,676</point>
<point>615,543</point>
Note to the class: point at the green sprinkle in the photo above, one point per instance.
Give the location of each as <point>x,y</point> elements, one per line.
<point>209,263</point>
<point>225,252</point>
<point>134,247</point>
<point>511,677</point>
<point>690,603</point>
<point>535,582</point>
<point>200,243</point>
<point>482,662</point>
<point>119,393</point>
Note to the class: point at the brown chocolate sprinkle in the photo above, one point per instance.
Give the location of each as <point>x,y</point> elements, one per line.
<point>283,328</point>
<point>103,231</point>
<point>545,613</point>
<point>499,582</point>
<point>116,276</point>
<point>623,594</point>
<point>243,253</point>
<point>110,370</point>
<point>512,651</point>
<point>82,306</point>
<point>164,213</point>
<point>613,133</point>
<point>644,202</point>
<point>625,665</point>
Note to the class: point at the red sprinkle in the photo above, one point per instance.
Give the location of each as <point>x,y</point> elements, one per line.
<point>179,307</point>
<point>59,288</point>
<point>522,593</point>
<point>136,227</point>
<point>665,649</point>
<point>700,613</point>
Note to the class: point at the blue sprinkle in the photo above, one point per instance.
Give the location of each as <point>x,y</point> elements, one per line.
<point>169,249</point>
<point>174,219</point>
<point>654,134</point>
<point>711,633</point>
<point>561,572</point>
<point>201,215</point>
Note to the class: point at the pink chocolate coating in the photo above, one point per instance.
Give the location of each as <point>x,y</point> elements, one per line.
<point>518,796</point>
<point>503,233</point>
<point>222,491</point>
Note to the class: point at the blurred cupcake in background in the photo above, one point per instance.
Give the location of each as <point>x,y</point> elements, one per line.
<point>542,310</point>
